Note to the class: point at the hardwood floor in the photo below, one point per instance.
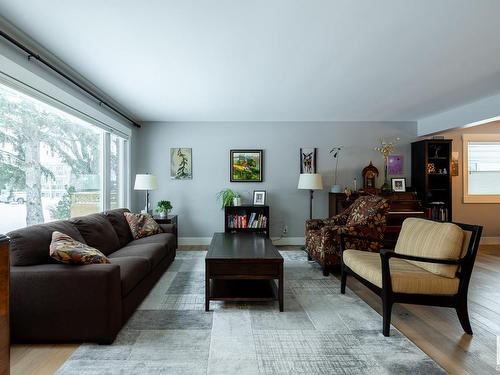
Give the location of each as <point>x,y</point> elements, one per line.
<point>435,330</point>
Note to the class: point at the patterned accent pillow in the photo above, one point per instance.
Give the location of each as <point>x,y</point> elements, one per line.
<point>65,249</point>
<point>142,225</point>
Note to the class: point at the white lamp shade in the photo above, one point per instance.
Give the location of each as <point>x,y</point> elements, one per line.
<point>145,182</point>
<point>310,181</point>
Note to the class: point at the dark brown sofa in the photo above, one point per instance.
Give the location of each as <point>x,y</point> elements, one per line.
<point>50,301</point>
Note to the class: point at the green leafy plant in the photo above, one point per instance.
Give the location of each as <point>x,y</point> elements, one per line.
<point>226,197</point>
<point>335,151</point>
<point>163,206</point>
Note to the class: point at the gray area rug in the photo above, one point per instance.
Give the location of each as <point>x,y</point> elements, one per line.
<point>320,332</point>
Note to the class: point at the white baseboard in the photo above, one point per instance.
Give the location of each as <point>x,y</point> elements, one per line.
<point>490,241</point>
<point>205,241</point>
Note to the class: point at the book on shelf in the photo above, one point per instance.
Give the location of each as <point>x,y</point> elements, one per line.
<point>437,211</point>
<point>244,221</point>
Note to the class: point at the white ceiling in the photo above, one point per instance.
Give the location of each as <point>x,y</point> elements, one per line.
<point>269,60</point>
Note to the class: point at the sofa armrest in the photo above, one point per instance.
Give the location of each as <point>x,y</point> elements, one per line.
<point>167,228</point>
<point>58,302</point>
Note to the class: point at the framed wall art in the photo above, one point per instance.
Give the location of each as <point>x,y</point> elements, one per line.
<point>308,160</point>
<point>398,184</point>
<point>246,165</point>
<point>181,164</point>
<point>395,164</point>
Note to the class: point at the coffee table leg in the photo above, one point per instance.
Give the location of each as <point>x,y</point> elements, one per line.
<point>280,288</point>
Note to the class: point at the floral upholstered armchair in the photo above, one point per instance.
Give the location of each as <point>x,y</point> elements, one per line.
<point>365,218</point>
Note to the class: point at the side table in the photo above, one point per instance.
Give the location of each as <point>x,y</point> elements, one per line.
<point>170,219</point>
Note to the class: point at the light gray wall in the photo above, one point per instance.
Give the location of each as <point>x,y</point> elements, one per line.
<point>194,200</point>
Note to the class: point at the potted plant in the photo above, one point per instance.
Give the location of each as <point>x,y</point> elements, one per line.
<point>335,151</point>
<point>163,208</point>
<point>228,198</point>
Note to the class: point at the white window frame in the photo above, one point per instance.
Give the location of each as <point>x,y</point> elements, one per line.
<point>476,198</point>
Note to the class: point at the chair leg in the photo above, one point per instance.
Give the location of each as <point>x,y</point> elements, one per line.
<point>463,317</point>
<point>326,272</point>
<point>343,280</point>
<point>387,309</point>
<point>309,257</point>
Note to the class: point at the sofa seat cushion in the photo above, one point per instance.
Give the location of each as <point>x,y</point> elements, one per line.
<point>120,225</point>
<point>153,252</point>
<point>30,246</point>
<point>97,232</point>
<point>430,239</point>
<point>166,239</point>
<point>132,271</point>
<point>405,276</point>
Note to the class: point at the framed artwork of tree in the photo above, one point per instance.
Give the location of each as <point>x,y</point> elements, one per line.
<point>181,164</point>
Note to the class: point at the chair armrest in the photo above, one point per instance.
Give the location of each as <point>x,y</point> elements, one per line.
<point>314,224</point>
<point>387,254</point>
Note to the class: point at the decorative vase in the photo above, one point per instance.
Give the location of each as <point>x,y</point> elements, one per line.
<point>385,187</point>
<point>236,201</point>
<point>336,189</point>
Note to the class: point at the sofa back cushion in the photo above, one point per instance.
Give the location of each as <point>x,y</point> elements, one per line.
<point>97,232</point>
<point>430,239</point>
<point>120,225</point>
<point>30,246</point>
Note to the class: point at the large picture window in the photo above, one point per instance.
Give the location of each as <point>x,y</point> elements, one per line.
<point>52,163</point>
<point>481,168</point>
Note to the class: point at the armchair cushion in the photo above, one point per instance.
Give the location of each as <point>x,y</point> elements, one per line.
<point>405,276</point>
<point>425,238</point>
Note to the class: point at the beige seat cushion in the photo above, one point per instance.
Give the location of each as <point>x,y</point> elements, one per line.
<point>405,276</point>
<point>429,239</point>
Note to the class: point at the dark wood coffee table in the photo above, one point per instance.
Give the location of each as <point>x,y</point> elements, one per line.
<point>243,267</point>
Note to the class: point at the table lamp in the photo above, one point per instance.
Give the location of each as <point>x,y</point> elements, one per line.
<point>311,182</point>
<point>145,182</point>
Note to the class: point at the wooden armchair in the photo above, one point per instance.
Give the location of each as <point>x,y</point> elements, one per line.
<point>431,265</point>
<point>366,217</point>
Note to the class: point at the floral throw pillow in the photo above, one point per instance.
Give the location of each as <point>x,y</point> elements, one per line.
<point>142,225</point>
<point>65,249</point>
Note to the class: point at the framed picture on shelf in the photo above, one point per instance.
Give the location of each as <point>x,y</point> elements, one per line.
<point>259,197</point>
<point>246,165</point>
<point>308,160</point>
<point>395,164</point>
<point>181,164</point>
<point>398,184</point>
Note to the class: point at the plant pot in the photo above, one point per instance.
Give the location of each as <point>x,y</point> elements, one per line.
<point>236,201</point>
<point>163,214</point>
<point>336,189</point>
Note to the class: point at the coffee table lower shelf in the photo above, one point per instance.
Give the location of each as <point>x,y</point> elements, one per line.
<point>242,290</point>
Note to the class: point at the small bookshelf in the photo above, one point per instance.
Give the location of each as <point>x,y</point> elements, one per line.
<point>247,218</point>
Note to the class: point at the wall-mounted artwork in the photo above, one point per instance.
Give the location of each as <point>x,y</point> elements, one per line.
<point>454,164</point>
<point>246,165</point>
<point>181,164</point>
<point>395,164</point>
<point>308,160</point>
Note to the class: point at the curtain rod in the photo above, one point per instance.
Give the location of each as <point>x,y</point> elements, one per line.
<point>32,54</point>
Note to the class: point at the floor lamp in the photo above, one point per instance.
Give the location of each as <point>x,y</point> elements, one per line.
<point>311,182</point>
<point>146,182</point>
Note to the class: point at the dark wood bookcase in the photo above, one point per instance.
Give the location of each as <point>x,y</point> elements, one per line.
<point>245,211</point>
<point>431,178</point>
